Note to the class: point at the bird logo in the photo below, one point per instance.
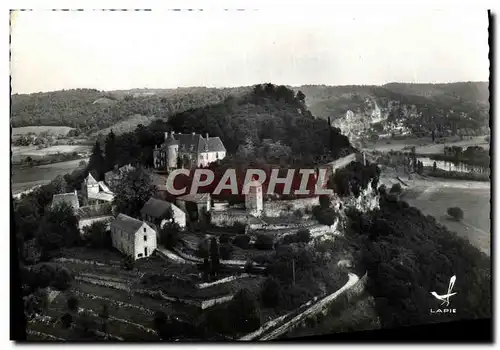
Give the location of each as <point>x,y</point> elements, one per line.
<point>445,298</point>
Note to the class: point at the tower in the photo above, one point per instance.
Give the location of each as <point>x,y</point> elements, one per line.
<point>172,150</point>
<point>254,203</point>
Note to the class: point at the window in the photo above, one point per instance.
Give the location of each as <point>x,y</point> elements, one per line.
<point>145,238</point>
<point>144,229</point>
<point>145,251</point>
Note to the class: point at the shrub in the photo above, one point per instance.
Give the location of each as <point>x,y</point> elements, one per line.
<point>396,188</point>
<point>324,201</point>
<point>242,241</point>
<point>271,292</point>
<point>51,275</point>
<point>298,213</point>
<point>202,250</point>
<point>224,238</point>
<point>382,190</point>
<point>128,263</point>
<point>226,251</point>
<point>239,228</point>
<point>303,235</point>
<point>264,242</point>
<point>456,213</point>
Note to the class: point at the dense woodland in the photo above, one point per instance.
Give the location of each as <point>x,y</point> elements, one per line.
<point>408,255</point>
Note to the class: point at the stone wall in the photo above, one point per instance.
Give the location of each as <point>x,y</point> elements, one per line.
<point>231,217</point>
<point>286,207</point>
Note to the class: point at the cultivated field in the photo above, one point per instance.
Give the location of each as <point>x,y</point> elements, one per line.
<point>54,130</point>
<point>27,177</point>
<point>126,125</point>
<point>475,202</point>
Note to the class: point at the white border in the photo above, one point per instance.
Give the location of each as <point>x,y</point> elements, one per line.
<point>283,6</point>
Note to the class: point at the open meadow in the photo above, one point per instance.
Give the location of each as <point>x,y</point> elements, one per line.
<point>475,203</point>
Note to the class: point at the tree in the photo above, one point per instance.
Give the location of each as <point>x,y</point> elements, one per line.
<point>59,185</point>
<point>58,229</point>
<point>128,263</point>
<point>202,250</point>
<point>434,167</point>
<point>97,161</point>
<point>456,213</point>
<point>242,241</point>
<point>104,316</point>
<point>264,242</point>
<point>226,251</point>
<point>396,189</point>
<point>72,304</point>
<point>97,235</point>
<point>31,252</point>
<point>170,234</point>
<point>382,190</point>
<point>110,151</point>
<point>271,292</point>
<point>214,256</point>
<point>324,201</point>
<point>133,191</point>
<point>303,235</point>
<point>244,312</point>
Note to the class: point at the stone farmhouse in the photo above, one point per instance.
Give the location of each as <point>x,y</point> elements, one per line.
<point>133,237</point>
<point>187,151</point>
<point>155,210</point>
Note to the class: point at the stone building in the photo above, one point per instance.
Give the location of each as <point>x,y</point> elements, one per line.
<point>96,192</point>
<point>132,237</point>
<point>156,210</point>
<point>187,151</point>
<point>254,201</point>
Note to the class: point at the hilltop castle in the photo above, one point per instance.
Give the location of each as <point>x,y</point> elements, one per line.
<point>187,151</point>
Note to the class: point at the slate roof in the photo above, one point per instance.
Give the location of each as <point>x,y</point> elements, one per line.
<point>194,143</point>
<point>155,207</point>
<point>127,224</point>
<point>196,198</point>
<point>70,198</point>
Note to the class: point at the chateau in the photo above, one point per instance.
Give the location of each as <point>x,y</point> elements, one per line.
<point>187,151</point>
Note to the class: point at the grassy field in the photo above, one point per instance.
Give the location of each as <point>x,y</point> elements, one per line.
<point>126,125</point>
<point>54,130</point>
<point>24,178</point>
<point>475,202</point>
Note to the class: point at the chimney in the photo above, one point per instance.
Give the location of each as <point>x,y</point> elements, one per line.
<point>206,135</point>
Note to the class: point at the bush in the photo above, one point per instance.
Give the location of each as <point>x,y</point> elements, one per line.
<point>51,275</point>
<point>456,213</point>
<point>224,238</point>
<point>382,190</point>
<point>298,213</point>
<point>264,242</point>
<point>225,251</point>
<point>239,228</point>
<point>396,188</point>
<point>271,292</point>
<point>128,263</point>
<point>242,241</point>
<point>303,235</point>
<point>324,201</point>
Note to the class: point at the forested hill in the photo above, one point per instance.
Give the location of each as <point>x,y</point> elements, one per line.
<point>91,110</point>
<point>268,121</point>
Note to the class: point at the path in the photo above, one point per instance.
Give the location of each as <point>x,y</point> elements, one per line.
<point>315,308</point>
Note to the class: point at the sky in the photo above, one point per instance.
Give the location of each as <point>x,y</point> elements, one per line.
<point>54,50</point>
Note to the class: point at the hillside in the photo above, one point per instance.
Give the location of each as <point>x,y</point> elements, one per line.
<point>126,125</point>
<point>364,112</point>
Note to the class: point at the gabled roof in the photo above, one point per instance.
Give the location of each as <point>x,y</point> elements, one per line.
<point>156,207</point>
<point>69,198</point>
<point>104,187</point>
<point>196,198</point>
<point>103,196</point>
<point>127,224</point>
<point>91,180</point>
<point>194,143</point>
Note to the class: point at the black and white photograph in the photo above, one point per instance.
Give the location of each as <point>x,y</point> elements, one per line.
<point>250,175</point>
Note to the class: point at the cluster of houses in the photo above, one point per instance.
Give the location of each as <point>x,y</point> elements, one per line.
<point>137,237</point>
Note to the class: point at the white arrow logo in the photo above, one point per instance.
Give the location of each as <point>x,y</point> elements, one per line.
<point>445,298</point>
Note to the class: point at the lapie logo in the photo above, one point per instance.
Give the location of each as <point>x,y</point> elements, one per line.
<point>445,298</point>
